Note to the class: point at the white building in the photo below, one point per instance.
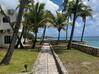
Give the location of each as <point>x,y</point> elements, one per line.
<point>5,28</point>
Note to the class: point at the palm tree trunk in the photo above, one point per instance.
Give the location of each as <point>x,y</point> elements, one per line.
<point>19,40</point>
<point>73,27</point>
<point>58,38</point>
<point>25,33</point>
<point>10,51</point>
<point>67,29</point>
<point>66,32</point>
<point>43,36</point>
<point>83,30</point>
<point>34,42</point>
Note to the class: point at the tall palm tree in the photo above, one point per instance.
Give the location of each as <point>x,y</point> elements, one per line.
<point>73,9</point>
<point>46,24</point>
<point>68,11</point>
<point>10,50</point>
<point>36,17</point>
<point>86,11</point>
<point>67,29</point>
<point>59,22</point>
<point>65,7</point>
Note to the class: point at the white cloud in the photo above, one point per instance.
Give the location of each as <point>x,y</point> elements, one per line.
<point>49,5</point>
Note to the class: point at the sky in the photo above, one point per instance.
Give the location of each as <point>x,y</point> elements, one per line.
<point>92,24</point>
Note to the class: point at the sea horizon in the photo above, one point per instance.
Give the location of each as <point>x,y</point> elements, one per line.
<point>91,40</point>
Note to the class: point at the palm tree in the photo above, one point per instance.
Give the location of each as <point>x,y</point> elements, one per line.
<point>73,9</point>
<point>67,29</point>
<point>59,22</point>
<point>86,11</point>
<point>46,24</point>
<point>68,11</point>
<point>43,35</point>
<point>36,16</point>
<point>10,51</point>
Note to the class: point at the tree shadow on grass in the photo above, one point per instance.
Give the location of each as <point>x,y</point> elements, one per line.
<point>61,50</point>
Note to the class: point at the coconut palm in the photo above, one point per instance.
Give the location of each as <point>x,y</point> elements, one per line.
<point>67,11</point>
<point>59,22</point>
<point>75,8</point>
<point>47,24</point>
<point>37,18</point>
<point>10,51</point>
<point>86,11</point>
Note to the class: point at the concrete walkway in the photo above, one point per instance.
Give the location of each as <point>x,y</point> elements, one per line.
<point>45,63</point>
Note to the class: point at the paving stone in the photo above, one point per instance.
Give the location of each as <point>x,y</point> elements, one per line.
<point>46,63</point>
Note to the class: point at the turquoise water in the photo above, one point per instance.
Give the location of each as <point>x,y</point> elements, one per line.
<point>92,41</point>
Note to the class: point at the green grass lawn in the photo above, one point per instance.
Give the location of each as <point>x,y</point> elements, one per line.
<point>20,57</point>
<point>77,62</point>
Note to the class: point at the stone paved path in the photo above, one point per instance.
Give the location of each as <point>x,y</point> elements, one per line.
<point>45,63</point>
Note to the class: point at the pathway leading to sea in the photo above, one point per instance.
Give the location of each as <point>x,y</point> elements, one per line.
<point>45,63</point>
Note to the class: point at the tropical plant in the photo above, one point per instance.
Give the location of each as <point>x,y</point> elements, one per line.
<point>59,22</point>
<point>47,24</point>
<point>85,12</point>
<point>37,18</point>
<point>74,9</point>
<point>67,11</point>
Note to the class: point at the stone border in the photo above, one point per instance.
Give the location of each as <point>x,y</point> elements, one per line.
<point>86,48</point>
<point>59,64</point>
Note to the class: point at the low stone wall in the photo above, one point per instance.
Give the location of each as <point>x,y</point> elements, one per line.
<point>87,49</point>
<point>60,67</point>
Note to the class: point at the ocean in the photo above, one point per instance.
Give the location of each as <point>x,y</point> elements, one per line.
<point>91,41</point>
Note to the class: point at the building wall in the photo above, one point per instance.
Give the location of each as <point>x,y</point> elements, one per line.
<point>5,27</point>
<point>2,40</point>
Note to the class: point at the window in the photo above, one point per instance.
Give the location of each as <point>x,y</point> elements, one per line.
<point>1,31</point>
<point>6,19</point>
<point>8,30</point>
<point>11,11</point>
<point>7,39</point>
